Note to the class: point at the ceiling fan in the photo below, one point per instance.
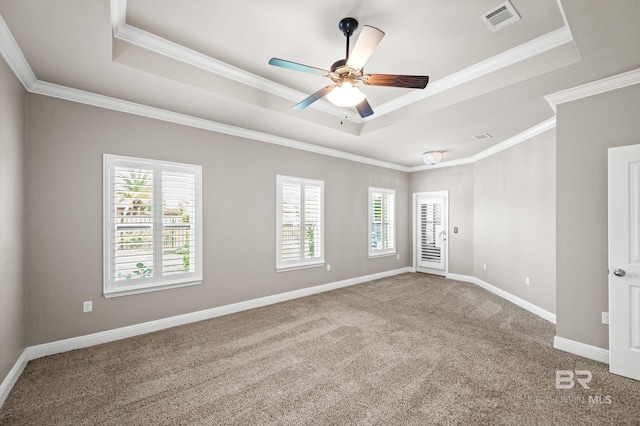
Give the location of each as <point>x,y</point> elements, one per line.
<point>346,73</point>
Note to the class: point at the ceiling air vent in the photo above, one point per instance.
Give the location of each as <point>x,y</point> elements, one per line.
<point>482,137</point>
<point>500,16</point>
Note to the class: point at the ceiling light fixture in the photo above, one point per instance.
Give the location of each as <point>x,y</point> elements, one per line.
<point>345,94</point>
<point>432,157</point>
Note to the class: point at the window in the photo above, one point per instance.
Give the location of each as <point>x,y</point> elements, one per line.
<point>382,223</point>
<point>300,223</point>
<point>152,225</point>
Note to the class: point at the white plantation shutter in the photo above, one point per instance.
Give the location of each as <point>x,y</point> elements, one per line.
<point>300,222</point>
<point>430,217</point>
<point>132,227</point>
<point>313,222</point>
<point>389,225</point>
<point>178,221</point>
<point>382,228</point>
<point>290,235</point>
<point>152,216</point>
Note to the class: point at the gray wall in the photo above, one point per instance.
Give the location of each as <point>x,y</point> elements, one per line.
<point>586,129</point>
<point>65,143</point>
<point>514,220</point>
<point>504,207</point>
<point>12,305</point>
<point>459,182</point>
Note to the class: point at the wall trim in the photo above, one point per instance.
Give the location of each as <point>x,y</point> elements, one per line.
<point>534,309</point>
<point>106,102</point>
<point>581,349</point>
<point>13,56</point>
<point>594,88</point>
<point>13,376</point>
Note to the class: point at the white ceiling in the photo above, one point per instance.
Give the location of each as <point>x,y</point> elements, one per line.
<point>208,60</point>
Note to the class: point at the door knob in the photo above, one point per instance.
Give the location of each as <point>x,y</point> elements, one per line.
<point>619,273</point>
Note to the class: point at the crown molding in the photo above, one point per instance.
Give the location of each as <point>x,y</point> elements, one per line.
<point>594,88</point>
<point>154,43</point>
<point>505,59</point>
<point>515,140</point>
<point>11,53</point>
<point>13,56</point>
<point>146,40</point>
<point>101,101</point>
<point>512,141</point>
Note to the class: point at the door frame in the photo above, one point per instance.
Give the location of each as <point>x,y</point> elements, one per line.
<point>416,196</point>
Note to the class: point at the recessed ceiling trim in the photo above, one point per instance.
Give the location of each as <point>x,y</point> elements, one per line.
<point>515,140</point>
<point>118,14</point>
<point>594,88</point>
<point>107,102</point>
<point>505,59</point>
<point>13,56</point>
<point>154,43</point>
<point>130,34</point>
<point>512,141</point>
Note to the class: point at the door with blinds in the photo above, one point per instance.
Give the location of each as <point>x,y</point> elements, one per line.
<point>431,249</point>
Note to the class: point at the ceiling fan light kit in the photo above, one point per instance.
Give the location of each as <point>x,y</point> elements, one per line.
<point>346,94</point>
<point>347,73</point>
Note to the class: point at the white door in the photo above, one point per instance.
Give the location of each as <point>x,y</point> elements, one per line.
<point>624,261</point>
<point>431,249</point>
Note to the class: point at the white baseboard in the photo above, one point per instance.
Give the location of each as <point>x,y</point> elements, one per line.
<point>581,349</point>
<point>60,346</point>
<point>13,375</point>
<point>52,348</point>
<point>459,277</point>
<point>560,343</point>
<point>534,309</point>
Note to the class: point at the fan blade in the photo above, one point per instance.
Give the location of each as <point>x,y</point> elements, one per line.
<point>364,109</point>
<point>298,67</point>
<point>364,47</point>
<point>311,99</point>
<point>408,81</point>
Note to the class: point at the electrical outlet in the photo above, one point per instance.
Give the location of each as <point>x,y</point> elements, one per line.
<point>527,281</point>
<point>87,306</point>
<point>484,266</point>
<point>328,267</point>
<point>398,256</point>
<point>605,317</point>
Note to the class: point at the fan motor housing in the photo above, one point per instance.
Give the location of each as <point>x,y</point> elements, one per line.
<point>340,69</point>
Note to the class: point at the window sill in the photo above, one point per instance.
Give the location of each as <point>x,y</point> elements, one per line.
<point>149,288</point>
<point>299,266</point>
<point>385,254</point>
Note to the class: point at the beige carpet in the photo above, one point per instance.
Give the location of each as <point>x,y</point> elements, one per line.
<point>413,349</point>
